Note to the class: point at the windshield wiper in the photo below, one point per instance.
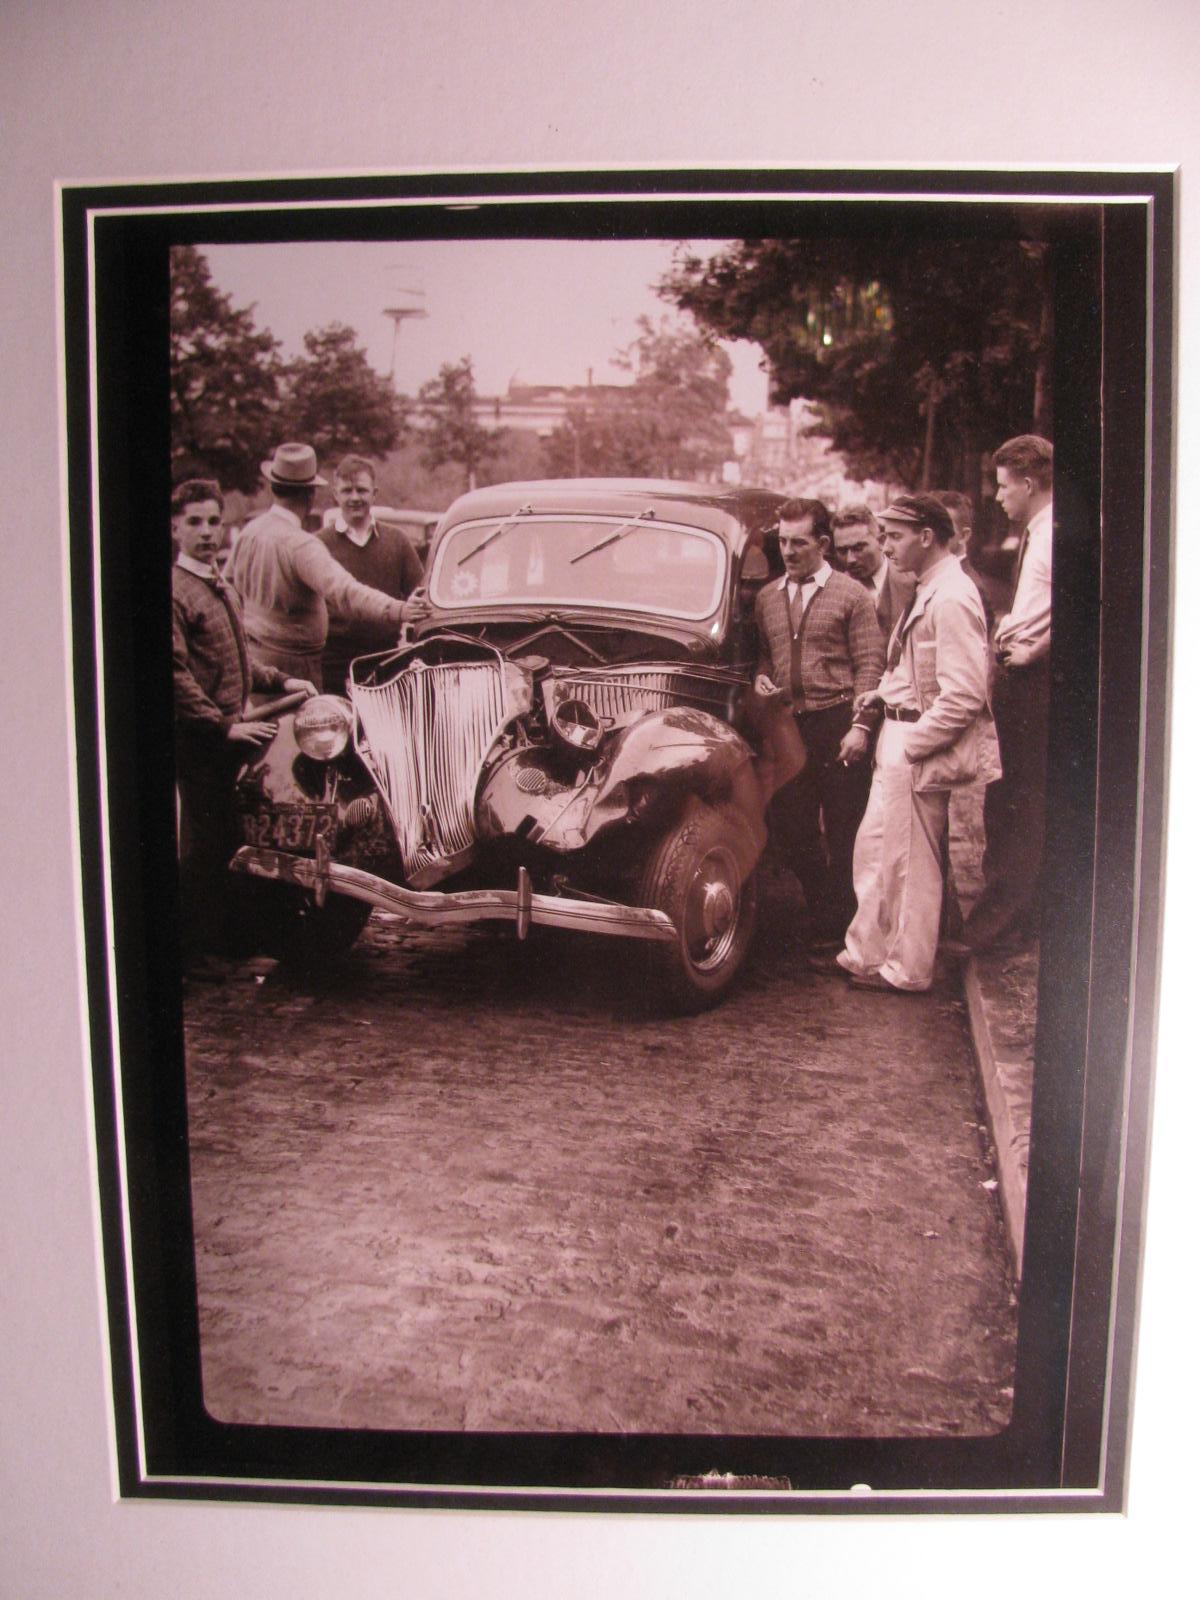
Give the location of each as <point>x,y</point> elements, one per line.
<point>617,533</point>
<point>501,527</point>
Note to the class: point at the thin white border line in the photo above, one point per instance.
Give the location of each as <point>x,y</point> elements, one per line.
<point>405,202</point>
<point>467,202</point>
<point>76,849</point>
<point>1120,1245</point>
<point>106,864</point>
<point>864,1497</point>
<point>567,168</point>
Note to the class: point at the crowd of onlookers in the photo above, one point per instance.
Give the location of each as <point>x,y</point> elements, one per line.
<point>882,645</point>
<point>895,657</point>
<point>287,613</point>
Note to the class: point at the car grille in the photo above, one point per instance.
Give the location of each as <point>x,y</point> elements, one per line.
<point>615,692</point>
<point>426,734</point>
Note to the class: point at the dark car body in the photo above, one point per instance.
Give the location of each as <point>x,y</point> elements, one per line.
<point>566,739</point>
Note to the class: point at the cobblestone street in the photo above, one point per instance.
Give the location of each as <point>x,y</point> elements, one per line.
<point>470,1184</point>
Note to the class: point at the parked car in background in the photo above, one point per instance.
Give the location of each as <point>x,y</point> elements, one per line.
<point>566,740</point>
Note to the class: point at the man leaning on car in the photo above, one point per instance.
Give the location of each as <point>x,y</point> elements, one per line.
<point>287,578</point>
<point>376,553</point>
<point>820,649</point>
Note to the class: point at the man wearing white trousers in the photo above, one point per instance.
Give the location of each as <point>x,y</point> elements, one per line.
<point>928,709</point>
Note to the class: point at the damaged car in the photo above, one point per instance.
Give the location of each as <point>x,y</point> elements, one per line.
<point>567,740</point>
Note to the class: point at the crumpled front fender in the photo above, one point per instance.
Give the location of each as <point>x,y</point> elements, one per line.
<point>644,774</point>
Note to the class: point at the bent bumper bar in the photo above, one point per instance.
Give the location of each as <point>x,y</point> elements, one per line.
<point>519,905</point>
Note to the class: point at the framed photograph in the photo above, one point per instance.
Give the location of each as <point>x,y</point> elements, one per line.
<point>486,1111</point>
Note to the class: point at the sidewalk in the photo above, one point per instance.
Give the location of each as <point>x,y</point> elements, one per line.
<point>1001,998</point>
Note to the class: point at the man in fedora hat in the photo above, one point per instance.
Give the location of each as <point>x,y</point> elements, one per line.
<point>929,706</point>
<point>288,580</point>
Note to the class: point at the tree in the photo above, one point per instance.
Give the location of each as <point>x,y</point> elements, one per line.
<point>670,422</point>
<point>224,379</point>
<point>922,352</point>
<point>336,401</point>
<point>451,433</point>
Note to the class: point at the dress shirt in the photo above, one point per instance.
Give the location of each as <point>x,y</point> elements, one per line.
<point>896,687</point>
<point>1027,624</point>
<point>806,588</point>
<point>202,569</point>
<point>879,577</point>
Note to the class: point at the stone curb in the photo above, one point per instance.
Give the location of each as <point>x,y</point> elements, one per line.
<point>1006,1095</point>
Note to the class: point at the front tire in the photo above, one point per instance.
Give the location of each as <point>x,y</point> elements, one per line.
<point>701,873</point>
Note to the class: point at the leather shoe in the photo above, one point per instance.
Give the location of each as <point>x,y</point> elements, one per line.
<point>878,983</point>
<point>955,949</point>
<point>825,962</point>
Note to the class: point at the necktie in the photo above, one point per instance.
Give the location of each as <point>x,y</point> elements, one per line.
<point>800,603</point>
<point>1022,546</point>
<point>898,631</point>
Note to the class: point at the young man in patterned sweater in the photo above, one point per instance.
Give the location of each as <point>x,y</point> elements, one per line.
<point>214,674</point>
<point>820,650</point>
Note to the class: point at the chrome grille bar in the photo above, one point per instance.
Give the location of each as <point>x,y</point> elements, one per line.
<point>425,735</point>
<point>615,692</point>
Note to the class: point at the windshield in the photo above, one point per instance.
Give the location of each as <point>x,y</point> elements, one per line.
<point>631,563</point>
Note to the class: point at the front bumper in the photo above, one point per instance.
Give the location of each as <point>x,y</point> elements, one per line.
<point>520,905</point>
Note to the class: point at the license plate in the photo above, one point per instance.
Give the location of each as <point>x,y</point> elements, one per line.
<point>289,827</point>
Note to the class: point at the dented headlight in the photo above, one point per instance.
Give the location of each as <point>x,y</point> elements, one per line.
<point>323,726</point>
<point>577,726</point>
<point>518,689</point>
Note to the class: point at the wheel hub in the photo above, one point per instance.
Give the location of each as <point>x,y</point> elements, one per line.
<point>717,909</point>
<point>712,912</point>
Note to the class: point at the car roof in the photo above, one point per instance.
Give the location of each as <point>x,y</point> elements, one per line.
<point>739,514</point>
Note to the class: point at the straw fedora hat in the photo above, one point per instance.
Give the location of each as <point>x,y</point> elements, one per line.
<point>294,466</point>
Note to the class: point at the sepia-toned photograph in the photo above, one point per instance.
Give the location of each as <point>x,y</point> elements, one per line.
<point>602,806</point>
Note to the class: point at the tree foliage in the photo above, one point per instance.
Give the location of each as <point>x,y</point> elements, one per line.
<point>451,434</point>
<point>922,353</point>
<point>336,401</point>
<point>224,378</point>
<point>670,422</point>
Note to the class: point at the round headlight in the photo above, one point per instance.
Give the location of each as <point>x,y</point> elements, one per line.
<point>323,726</point>
<point>578,726</point>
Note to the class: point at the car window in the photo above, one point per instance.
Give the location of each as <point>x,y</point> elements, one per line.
<point>618,561</point>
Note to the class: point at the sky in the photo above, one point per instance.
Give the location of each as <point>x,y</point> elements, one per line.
<point>539,311</point>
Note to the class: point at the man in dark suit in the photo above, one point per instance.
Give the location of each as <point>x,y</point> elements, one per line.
<point>1008,912</point>
<point>859,551</point>
<point>820,648</point>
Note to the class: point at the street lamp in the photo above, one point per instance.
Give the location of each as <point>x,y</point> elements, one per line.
<point>404,302</point>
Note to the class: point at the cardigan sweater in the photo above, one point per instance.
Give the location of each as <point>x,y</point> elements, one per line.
<point>835,654</point>
<point>214,671</point>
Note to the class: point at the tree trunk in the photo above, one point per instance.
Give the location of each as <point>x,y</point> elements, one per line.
<point>931,405</point>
